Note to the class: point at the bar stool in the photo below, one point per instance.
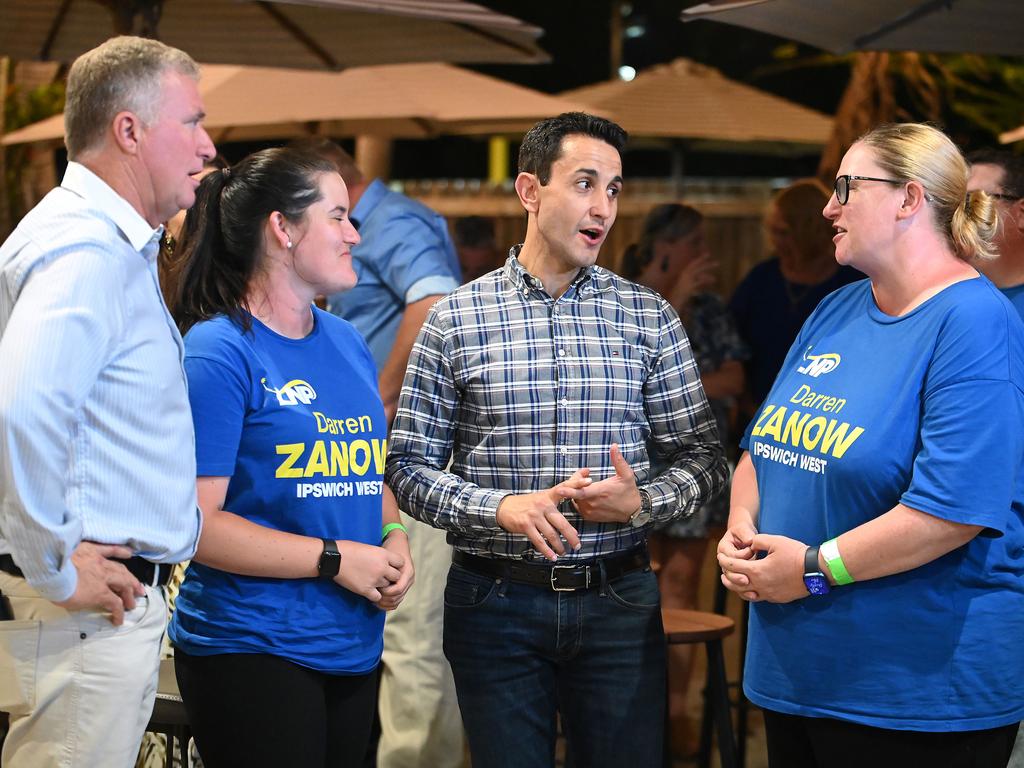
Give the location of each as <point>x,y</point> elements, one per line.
<point>687,627</point>
<point>169,717</point>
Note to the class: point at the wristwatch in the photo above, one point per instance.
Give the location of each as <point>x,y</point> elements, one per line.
<point>642,516</point>
<point>330,560</point>
<point>815,581</point>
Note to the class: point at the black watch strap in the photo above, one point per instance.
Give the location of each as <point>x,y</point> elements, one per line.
<point>811,560</point>
<point>330,560</point>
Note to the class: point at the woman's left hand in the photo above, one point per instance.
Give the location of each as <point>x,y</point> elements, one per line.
<point>392,595</point>
<point>775,578</point>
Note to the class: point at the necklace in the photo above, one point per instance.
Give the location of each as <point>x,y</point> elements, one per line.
<point>796,292</point>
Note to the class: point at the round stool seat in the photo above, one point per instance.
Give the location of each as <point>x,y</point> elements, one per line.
<point>682,626</point>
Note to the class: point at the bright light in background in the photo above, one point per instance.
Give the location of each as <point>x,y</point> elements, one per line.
<point>634,31</point>
<point>627,72</point>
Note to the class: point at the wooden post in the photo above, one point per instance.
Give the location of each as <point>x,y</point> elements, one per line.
<point>373,156</point>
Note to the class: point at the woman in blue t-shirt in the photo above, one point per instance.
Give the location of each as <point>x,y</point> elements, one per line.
<point>278,626</point>
<point>876,518</point>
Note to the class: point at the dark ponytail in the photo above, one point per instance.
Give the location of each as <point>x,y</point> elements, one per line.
<point>221,246</point>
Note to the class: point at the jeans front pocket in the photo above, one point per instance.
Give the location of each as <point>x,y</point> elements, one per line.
<point>466,589</point>
<point>637,591</point>
<point>19,649</point>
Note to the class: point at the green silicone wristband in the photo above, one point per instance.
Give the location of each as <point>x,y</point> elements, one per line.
<point>834,563</point>
<point>393,527</point>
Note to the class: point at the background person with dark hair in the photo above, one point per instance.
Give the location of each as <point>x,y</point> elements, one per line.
<point>672,257</point>
<point>474,243</point>
<point>1001,175</point>
<point>778,295</point>
<point>277,627</point>
<point>553,386</point>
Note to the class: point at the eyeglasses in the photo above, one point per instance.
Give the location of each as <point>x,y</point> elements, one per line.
<point>842,185</point>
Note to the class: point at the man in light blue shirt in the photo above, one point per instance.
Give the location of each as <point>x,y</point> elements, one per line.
<point>97,464</point>
<point>405,262</point>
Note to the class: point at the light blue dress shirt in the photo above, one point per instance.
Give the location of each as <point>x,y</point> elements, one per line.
<point>405,255</point>
<point>96,437</point>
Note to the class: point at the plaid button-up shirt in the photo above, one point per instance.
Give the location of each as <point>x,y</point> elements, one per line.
<point>520,390</point>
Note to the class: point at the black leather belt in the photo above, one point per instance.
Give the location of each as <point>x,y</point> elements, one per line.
<point>149,573</point>
<point>559,578</point>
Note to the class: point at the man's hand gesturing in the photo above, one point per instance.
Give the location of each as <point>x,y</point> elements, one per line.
<point>536,516</point>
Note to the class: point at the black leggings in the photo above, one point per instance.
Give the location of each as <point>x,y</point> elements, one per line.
<point>819,742</point>
<point>256,710</point>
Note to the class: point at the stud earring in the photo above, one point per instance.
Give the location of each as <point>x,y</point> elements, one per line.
<point>289,245</point>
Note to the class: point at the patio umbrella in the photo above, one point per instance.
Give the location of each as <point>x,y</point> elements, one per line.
<point>688,100</point>
<point>308,34</point>
<point>951,26</point>
<point>391,100</point>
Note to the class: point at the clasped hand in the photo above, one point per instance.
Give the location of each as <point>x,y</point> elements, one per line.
<point>777,577</point>
<point>375,572</point>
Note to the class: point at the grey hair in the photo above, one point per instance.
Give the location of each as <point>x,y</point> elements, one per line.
<point>124,73</point>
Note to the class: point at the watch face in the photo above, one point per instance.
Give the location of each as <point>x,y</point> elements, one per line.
<point>816,583</point>
<point>640,517</point>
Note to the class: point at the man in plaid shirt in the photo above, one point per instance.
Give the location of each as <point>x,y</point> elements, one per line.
<point>570,405</point>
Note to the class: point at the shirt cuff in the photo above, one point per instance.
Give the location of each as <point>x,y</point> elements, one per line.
<point>482,510</point>
<point>435,285</point>
<point>56,587</point>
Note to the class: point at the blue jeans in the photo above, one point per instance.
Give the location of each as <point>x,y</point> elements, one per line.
<point>522,654</point>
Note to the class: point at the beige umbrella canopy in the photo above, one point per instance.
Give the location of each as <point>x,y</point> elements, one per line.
<point>391,100</point>
<point>309,34</point>
<point>841,26</point>
<point>687,100</point>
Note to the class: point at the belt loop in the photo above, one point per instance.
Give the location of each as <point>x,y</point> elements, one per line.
<point>603,576</point>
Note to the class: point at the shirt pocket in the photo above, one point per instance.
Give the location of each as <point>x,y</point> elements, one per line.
<point>19,649</point>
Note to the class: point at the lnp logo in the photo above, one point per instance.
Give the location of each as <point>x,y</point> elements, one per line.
<point>294,392</point>
<point>819,364</point>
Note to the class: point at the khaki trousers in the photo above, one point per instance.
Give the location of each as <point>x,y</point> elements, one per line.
<point>419,714</point>
<point>78,689</point>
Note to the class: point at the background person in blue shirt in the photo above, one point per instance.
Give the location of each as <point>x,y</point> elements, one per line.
<point>277,627</point>
<point>1001,174</point>
<point>891,443</point>
<point>96,460</point>
<point>405,262</point>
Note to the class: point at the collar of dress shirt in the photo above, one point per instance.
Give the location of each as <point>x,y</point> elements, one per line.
<point>86,184</point>
<point>520,278</point>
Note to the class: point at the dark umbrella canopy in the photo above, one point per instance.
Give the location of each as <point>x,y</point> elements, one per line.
<point>308,34</point>
<point>939,26</point>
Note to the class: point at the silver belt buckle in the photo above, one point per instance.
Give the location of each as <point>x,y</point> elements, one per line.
<point>556,588</point>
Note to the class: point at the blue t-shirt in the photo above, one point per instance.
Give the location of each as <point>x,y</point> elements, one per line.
<point>1016,296</point>
<point>298,426</point>
<point>405,255</point>
<point>870,411</point>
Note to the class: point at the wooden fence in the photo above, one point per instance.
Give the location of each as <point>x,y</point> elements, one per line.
<point>734,212</point>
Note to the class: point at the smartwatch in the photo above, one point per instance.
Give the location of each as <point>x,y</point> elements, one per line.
<point>330,560</point>
<point>642,516</point>
<point>815,581</point>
